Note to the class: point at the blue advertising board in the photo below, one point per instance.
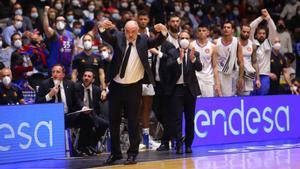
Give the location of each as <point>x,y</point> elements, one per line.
<point>245,119</point>
<point>31,132</point>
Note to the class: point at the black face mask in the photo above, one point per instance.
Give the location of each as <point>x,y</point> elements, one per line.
<point>280,28</point>
<point>34,43</point>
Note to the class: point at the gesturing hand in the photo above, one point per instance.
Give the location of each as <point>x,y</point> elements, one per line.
<point>192,54</point>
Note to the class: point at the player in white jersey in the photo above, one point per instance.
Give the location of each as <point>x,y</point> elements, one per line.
<point>174,29</point>
<point>228,53</point>
<point>250,62</point>
<point>208,77</point>
<point>263,41</point>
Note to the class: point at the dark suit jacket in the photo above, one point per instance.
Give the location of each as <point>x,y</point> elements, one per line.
<point>118,41</point>
<point>70,93</point>
<point>96,93</point>
<point>167,50</point>
<point>175,72</point>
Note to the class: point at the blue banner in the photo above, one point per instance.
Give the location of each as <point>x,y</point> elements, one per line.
<point>31,132</point>
<point>244,119</point>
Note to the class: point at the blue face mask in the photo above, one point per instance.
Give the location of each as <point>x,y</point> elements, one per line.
<point>77,31</point>
<point>116,16</point>
<point>70,18</point>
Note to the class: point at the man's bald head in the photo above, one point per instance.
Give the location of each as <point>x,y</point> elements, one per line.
<point>131,30</point>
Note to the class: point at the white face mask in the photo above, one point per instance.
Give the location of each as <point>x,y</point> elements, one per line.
<point>200,13</point>
<point>124,4</point>
<point>187,9</point>
<point>184,43</point>
<point>18,44</point>
<point>34,15</point>
<point>91,8</point>
<point>177,8</point>
<point>6,80</point>
<point>18,24</point>
<point>60,25</point>
<point>87,45</point>
<point>75,3</point>
<point>19,12</point>
<point>105,54</point>
<point>236,12</point>
<point>58,6</point>
<point>277,46</point>
<point>56,82</point>
<point>295,88</point>
<point>1,44</point>
<point>133,8</point>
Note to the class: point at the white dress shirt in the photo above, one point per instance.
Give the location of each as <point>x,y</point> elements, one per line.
<point>134,70</point>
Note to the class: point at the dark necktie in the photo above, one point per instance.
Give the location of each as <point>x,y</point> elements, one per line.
<point>184,72</point>
<point>89,98</point>
<point>59,95</point>
<point>125,61</point>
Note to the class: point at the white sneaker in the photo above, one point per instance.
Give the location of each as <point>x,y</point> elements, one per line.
<point>153,144</point>
<point>142,147</point>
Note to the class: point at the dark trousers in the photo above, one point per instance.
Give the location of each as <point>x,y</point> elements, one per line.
<point>92,127</point>
<point>183,101</point>
<point>162,113</point>
<point>124,98</point>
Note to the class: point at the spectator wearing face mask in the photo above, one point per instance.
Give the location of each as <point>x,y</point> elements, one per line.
<point>61,42</point>
<point>26,23</point>
<point>278,67</point>
<point>77,31</point>
<point>10,93</point>
<point>70,19</point>
<point>296,85</point>
<point>6,53</point>
<point>106,56</point>
<point>20,64</point>
<point>59,6</point>
<point>284,37</point>
<point>89,13</point>
<point>10,30</point>
<point>35,20</point>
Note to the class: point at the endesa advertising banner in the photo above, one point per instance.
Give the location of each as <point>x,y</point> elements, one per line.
<point>245,119</point>
<point>31,132</point>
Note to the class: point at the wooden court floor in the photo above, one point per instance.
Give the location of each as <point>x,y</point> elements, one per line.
<point>269,159</point>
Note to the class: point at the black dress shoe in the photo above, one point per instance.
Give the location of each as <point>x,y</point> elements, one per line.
<point>87,151</point>
<point>188,149</point>
<point>93,150</point>
<point>130,160</point>
<point>163,147</point>
<point>112,158</point>
<point>78,153</point>
<point>179,149</point>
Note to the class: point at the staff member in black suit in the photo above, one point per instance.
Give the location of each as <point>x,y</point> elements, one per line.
<point>127,69</point>
<point>93,125</point>
<point>185,89</point>
<point>59,90</point>
<point>161,75</point>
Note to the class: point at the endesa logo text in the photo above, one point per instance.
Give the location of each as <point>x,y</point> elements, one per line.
<point>31,132</point>
<point>234,119</point>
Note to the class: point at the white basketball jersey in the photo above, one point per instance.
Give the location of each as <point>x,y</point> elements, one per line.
<point>206,74</point>
<point>227,55</point>
<point>247,51</point>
